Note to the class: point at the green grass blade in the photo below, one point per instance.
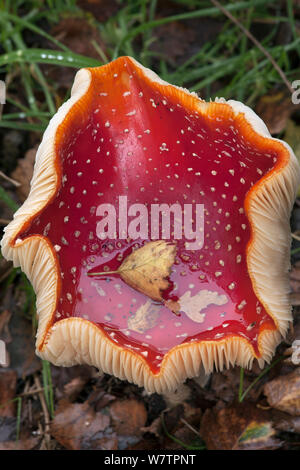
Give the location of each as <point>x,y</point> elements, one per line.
<point>47,56</point>
<point>185,16</point>
<point>178,441</point>
<point>25,114</point>
<point>28,25</point>
<point>19,409</point>
<point>48,388</point>
<point>242,394</point>
<point>4,196</point>
<point>22,126</point>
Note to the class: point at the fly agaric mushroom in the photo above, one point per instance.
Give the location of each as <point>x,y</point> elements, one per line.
<point>154,309</point>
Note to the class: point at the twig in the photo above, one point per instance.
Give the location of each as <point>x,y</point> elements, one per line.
<point>256,42</point>
<point>7,178</point>
<point>188,425</point>
<point>45,410</point>
<point>6,274</point>
<point>175,439</point>
<point>33,391</point>
<point>296,237</point>
<point>4,221</point>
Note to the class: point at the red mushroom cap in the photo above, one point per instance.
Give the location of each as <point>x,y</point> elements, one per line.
<point>125,141</point>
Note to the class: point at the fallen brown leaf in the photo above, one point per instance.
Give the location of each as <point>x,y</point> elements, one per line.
<point>285,422</point>
<point>5,335</point>
<point>102,10</point>
<point>28,443</point>
<point>128,417</point>
<point>238,427</point>
<point>179,40</point>
<point>68,382</point>
<point>21,349</point>
<point>100,399</point>
<point>295,298</point>
<point>292,136</point>
<point>275,110</point>
<point>154,428</point>
<point>23,173</point>
<point>174,417</point>
<point>171,418</point>
<point>5,266</point>
<point>79,34</point>
<point>188,433</point>
<point>225,385</point>
<point>74,387</point>
<point>295,284</point>
<point>258,436</point>
<point>145,445</point>
<point>283,393</point>
<point>8,426</point>
<point>8,436</point>
<point>8,382</point>
<point>180,395</point>
<point>76,426</point>
<point>187,437</point>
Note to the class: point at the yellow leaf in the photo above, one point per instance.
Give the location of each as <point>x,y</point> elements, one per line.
<point>147,268</point>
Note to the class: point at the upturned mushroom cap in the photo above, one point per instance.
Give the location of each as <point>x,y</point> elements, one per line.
<point>125,132</point>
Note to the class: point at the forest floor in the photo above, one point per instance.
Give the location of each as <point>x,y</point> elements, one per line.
<point>192,44</point>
